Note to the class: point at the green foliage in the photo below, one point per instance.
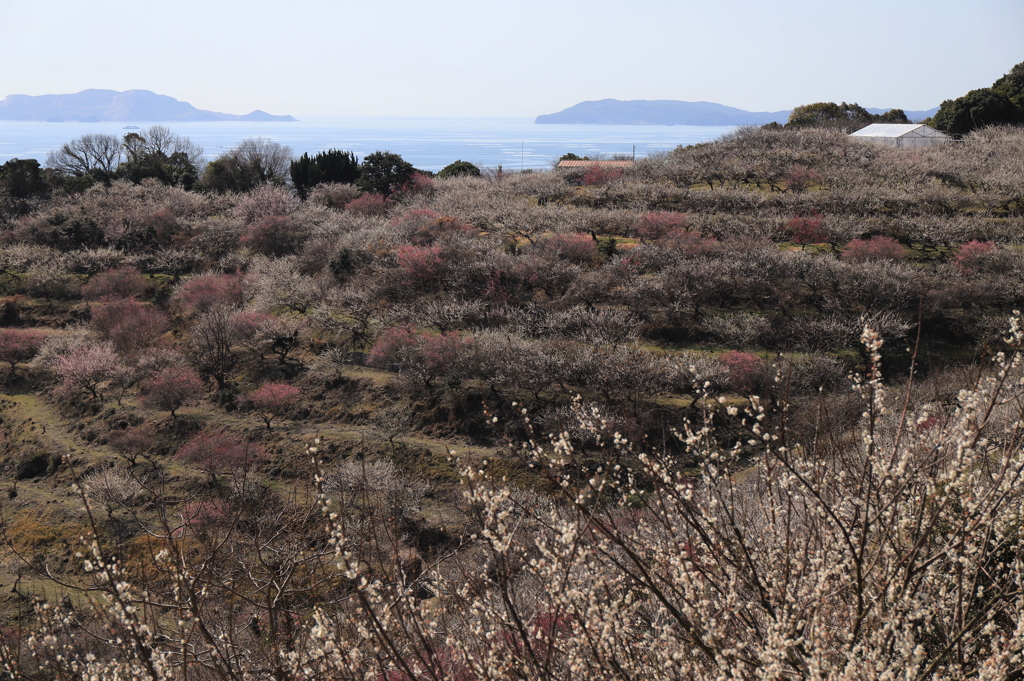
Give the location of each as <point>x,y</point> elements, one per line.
<point>1001,104</point>
<point>1012,85</point>
<point>573,157</point>
<point>850,116</point>
<point>21,185</point>
<point>162,155</point>
<point>383,172</point>
<point>974,110</point>
<point>459,169</point>
<point>333,165</point>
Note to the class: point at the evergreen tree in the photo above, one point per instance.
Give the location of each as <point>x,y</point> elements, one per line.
<point>383,172</point>
<point>333,165</point>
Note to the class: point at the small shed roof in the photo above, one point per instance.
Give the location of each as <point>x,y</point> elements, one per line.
<point>591,164</point>
<point>903,130</point>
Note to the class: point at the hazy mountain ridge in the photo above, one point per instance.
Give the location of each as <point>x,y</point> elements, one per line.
<point>674,112</point>
<point>110,105</point>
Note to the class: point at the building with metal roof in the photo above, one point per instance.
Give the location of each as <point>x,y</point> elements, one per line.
<point>901,135</point>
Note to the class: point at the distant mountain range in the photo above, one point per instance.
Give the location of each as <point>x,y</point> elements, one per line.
<point>673,112</point>
<point>93,106</point>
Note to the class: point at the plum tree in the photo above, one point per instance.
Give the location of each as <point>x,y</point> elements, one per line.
<point>271,400</point>
<point>172,388</point>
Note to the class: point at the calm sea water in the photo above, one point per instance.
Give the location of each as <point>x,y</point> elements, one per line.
<point>427,143</point>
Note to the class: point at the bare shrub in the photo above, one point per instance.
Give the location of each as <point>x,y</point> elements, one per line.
<point>370,483</point>
<point>333,195</point>
<point>263,202</point>
<point>114,488</point>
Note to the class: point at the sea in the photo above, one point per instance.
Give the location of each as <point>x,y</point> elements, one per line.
<point>427,143</point>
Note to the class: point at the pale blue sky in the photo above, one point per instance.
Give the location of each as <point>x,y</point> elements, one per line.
<point>512,58</point>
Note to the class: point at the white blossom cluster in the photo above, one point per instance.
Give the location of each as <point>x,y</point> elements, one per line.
<point>891,552</point>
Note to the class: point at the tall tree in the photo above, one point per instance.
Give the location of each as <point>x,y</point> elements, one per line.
<point>21,186</point>
<point>252,162</point>
<point>333,165</point>
<point>1001,104</point>
<point>94,154</point>
<point>159,153</point>
<point>976,109</point>
<point>383,172</point>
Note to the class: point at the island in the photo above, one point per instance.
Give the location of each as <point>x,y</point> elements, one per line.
<point>93,106</point>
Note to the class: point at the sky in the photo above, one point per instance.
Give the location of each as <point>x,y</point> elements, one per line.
<point>517,58</point>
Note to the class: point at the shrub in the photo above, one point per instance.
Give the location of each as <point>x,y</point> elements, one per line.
<point>202,292</point>
<point>459,169</point>
<point>172,388</point>
<point>653,226</point>
<point>875,248</point>
<point>422,264</point>
<point>576,248</point>
<point>276,235</point>
<point>746,371</point>
<point>123,282</point>
<point>691,243</point>
<point>369,204</point>
<point>598,175</point>
<point>129,324</point>
<point>971,256</point>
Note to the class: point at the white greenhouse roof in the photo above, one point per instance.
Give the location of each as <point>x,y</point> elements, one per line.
<point>898,130</point>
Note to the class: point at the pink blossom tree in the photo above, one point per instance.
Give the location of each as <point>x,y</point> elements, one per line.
<point>271,400</point>
<point>803,230</point>
<point>87,368</point>
<point>654,225</point>
<point>746,371</point>
<point>19,345</point>
<point>423,264</point>
<point>276,235</point>
<point>213,451</point>
<point>598,175</point>
<point>692,243</point>
<point>875,248</point>
<point>131,443</point>
<point>122,282</point>
<point>172,388</point>
<point>369,204</point>
<point>971,255</point>
<point>422,355</point>
<point>576,248</point>
<point>129,324</point>
<point>203,292</point>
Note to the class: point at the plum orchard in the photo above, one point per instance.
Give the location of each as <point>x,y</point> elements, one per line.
<point>656,535</point>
